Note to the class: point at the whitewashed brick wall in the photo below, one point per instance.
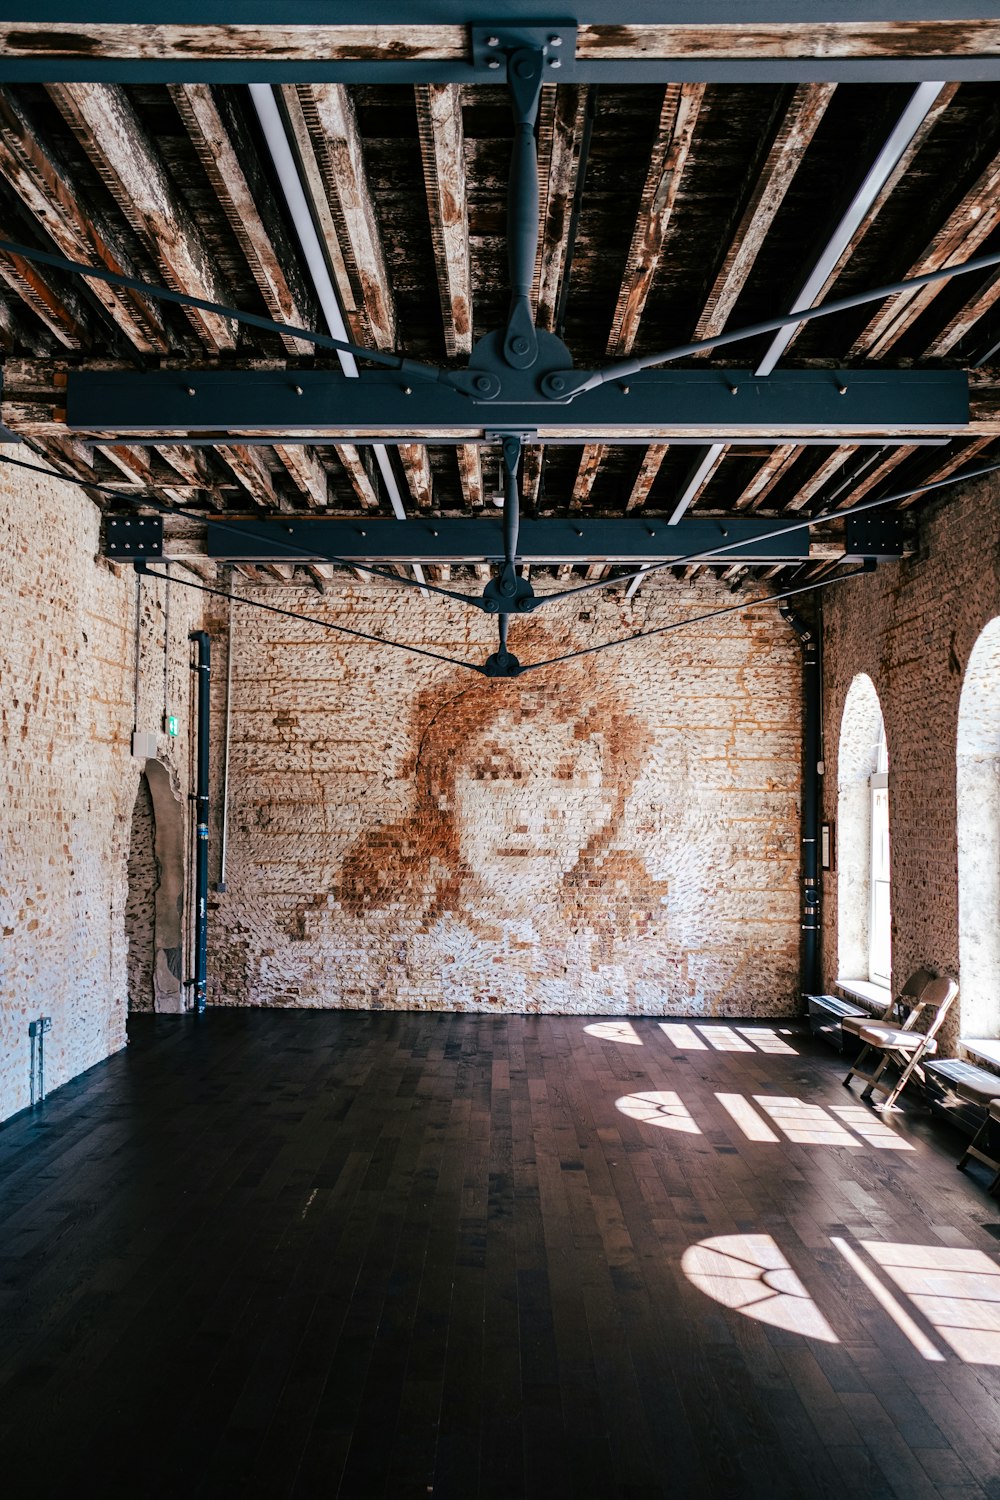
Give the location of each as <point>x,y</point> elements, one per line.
<point>67,777</point>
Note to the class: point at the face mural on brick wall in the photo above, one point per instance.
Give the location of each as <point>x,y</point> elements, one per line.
<point>519,794</point>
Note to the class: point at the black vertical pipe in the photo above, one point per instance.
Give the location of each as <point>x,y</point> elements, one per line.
<point>809,639</point>
<point>203,666</point>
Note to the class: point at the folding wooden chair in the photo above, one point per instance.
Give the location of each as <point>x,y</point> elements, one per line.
<point>899,1042</point>
<point>977,1147</point>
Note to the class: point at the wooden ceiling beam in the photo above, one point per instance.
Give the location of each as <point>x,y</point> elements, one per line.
<point>297,35</point>
<point>250,468</point>
<point>321,575</point>
<point>470,473</point>
<point>964,321</point>
<point>531,473</point>
<point>135,464</point>
<point>650,467</point>
<point>307,470</point>
<point>960,236</point>
<point>361,481</point>
<point>113,137</point>
<point>831,463</point>
<point>671,150</point>
<point>194,466</point>
<point>591,458</point>
<point>417,468</point>
<point>801,120</point>
<point>227,152</point>
<point>562,115</point>
<point>60,311</point>
<point>442,149</point>
<point>327,112</point>
<point>899,171</point>
<point>954,461</point>
<point>78,232</point>
<point>874,476</point>
<point>771,472</point>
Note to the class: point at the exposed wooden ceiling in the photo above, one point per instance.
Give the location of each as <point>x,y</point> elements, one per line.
<point>668,212</point>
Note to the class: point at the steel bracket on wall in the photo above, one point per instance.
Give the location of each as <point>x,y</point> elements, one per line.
<point>882,537</point>
<point>129,537</point>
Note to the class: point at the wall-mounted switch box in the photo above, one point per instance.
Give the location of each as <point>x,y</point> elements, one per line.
<point>143,744</point>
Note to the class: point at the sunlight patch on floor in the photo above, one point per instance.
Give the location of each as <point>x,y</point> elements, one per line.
<point>805,1124</point>
<point>957,1291</point>
<point>749,1273</point>
<point>663,1108</point>
<point>615,1031</point>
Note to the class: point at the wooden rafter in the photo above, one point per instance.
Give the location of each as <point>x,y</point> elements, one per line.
<point>953,462</point>
<point>227,152</point>
<point>875,475</point>
<point>900,170</point>
<point>470,472</point>
<point>327,111</point>
<point>961,235</point>
<point>330,233</point>
<point>650,467</point>
<point>417,468</point>
<point>801,120</point>
<point>251,471</point>
<point>80,233</point>
<point>817,36</point>
<point>310,476</point>
<point>135,464</point>
<point>773,470</point>
<point>59,310</point>
<point>591,458</point>
<point>563,138</point>
<point>833,461</point>
<point>114,138</point>
<point>442,148</point>
<point>964,321</point>
<point>357,473</point>
<point>671,149</point>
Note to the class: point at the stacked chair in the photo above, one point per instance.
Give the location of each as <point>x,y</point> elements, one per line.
<point>978,1146</point>
<point>901,1038</point>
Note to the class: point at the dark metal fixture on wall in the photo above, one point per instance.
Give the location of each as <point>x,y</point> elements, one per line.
<point>203,666</point>
<point>810,640</point>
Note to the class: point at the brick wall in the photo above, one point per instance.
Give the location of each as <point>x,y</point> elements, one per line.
<point>67,778</point>
<point>911,628</point>
<point>618,834</point>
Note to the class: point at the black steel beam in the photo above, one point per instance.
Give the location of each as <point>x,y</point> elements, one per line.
<point>480,539</point>
<point>318,406</point>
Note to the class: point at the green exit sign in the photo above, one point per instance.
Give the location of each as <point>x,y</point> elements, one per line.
<point>171,723</point>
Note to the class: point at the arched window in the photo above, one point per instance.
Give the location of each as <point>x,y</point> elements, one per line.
<point>978,789</point>
<point>864,918</point>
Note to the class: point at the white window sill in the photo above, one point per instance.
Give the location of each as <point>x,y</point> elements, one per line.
<point>878,995</point>
<point>982,1047</point>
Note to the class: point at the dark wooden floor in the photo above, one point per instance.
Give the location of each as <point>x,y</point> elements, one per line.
<point>320,1254</point>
